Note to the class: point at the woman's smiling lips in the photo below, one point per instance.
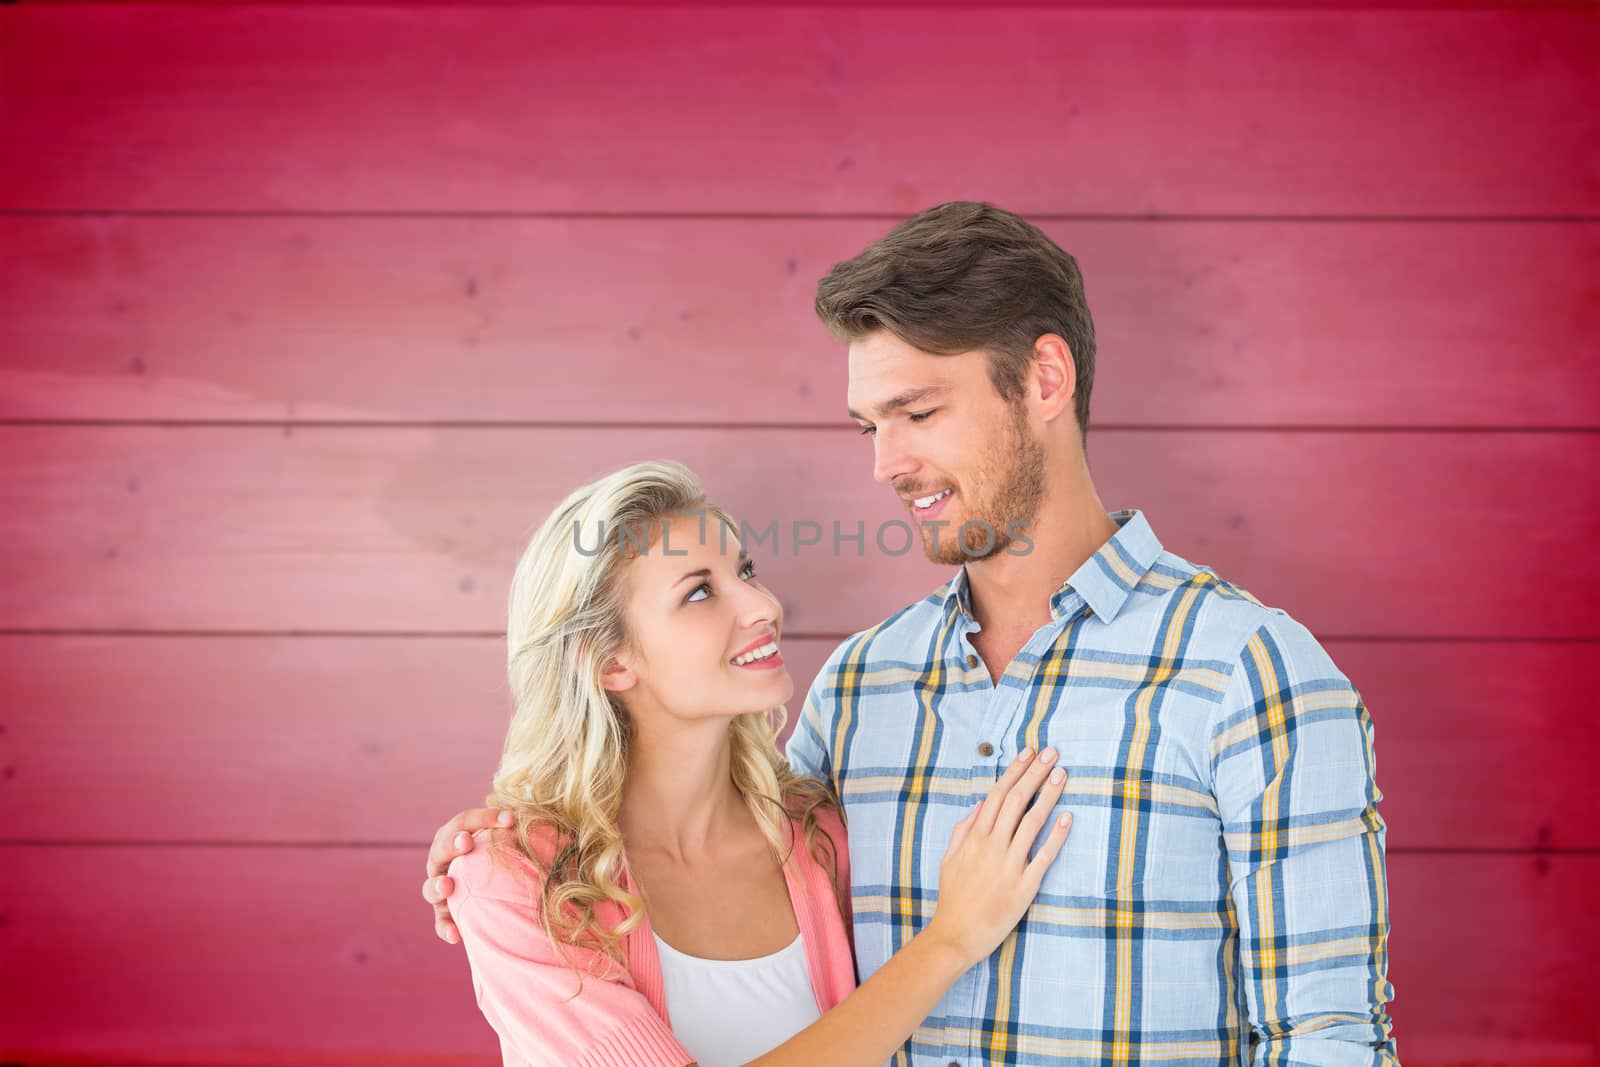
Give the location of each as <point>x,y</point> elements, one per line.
<point>771,663</point>
<point>766,652</point>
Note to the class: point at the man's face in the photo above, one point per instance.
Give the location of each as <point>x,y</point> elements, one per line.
<point>939,430</point>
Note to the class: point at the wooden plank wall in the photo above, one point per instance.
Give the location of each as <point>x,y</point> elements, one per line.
<point>308,314</point>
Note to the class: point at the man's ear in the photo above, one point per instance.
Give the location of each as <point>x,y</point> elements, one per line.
<point>1055,372</point>
<point>617,676</point>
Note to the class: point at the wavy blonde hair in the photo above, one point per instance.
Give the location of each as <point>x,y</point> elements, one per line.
<point>566,751</point>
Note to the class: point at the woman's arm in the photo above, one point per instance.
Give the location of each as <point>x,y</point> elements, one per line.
<point>986,883</point>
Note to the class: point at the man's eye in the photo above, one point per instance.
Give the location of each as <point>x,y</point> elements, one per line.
<point>921,415</point>
<point>868,430</point>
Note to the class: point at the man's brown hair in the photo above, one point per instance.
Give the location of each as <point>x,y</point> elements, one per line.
<point>965,277</point>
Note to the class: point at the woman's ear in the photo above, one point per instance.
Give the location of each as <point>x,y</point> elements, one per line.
<point>617,676</point>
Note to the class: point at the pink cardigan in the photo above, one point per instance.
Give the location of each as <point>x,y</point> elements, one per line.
<point>525,989</point>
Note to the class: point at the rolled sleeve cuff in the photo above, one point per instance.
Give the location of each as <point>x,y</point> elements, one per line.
<point>645,1042</point>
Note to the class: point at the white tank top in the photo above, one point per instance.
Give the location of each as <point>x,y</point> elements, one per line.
<point>728,1012</point>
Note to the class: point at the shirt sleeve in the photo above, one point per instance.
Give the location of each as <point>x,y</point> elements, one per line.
<point>529,993</point>
<point>1294,774</point>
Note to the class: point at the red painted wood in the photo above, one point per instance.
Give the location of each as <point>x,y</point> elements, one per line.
<point>231,955</point>
<point>1492,957</point>
<point>257,954</point>
<point>1087,111</point>
<point>242,955</point>
<point>1357,534</point>
<point>1065,4</point>
<point>673,320</point>
<point>333,740</point>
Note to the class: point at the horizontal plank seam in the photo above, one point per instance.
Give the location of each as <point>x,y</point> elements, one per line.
<point>835,427</point>
<point>774,216</point>
<point>23,842</point>
<point>1409,7</point>
<point>496,635</point>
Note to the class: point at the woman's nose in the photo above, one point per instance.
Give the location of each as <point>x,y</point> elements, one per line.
<point>760,606</point>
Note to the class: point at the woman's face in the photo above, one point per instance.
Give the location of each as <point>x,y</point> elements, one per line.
<point>703,628</point>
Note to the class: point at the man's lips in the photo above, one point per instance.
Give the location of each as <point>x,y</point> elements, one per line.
<point>940,499</point>
<point>924,494</point>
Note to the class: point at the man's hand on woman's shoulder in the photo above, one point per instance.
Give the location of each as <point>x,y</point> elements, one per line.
<point>454,839</point>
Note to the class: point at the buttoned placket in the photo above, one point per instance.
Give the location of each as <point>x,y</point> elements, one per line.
<point>996,747</point>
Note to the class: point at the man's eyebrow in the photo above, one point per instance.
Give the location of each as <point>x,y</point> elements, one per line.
<point>904,400</point>
<point>705,572</point>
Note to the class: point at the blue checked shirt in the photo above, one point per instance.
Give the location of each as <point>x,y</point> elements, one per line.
<point>1221,898</point>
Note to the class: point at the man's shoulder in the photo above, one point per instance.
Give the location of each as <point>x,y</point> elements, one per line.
<point>1226,617</point>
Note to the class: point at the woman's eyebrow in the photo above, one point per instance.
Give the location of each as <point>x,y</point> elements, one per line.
<point>705,572</point>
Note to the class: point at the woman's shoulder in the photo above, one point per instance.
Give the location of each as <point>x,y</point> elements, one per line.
<point>833,852</point>
<point>497,867</point>
<point>831,821</point>
<point>827,815</point>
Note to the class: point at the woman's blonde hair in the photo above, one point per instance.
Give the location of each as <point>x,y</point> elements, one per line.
<point>566,752</point>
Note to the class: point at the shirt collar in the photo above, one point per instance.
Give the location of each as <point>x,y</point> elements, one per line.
<point>1106,579</point>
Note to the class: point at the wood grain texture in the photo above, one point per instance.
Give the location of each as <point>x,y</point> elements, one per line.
<point>235,955</point>
<point>379,740</point>
<point>327,529</point>
<point>1065,4</point>
<point>245,670</point>
<point>679,321</point>
<point>552,109</point>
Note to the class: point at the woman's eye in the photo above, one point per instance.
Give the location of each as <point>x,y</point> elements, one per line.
<point>747,571</point>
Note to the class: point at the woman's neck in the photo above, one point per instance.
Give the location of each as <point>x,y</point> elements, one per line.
<point>678,800</point>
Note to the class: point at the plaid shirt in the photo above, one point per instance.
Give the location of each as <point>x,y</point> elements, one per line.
<point>1221,898</point>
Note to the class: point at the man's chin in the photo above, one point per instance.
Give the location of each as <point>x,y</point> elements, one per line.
<point>947,552</point>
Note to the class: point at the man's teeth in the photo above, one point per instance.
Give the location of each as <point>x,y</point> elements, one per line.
<point>766,651</point>
<point>928,501</point>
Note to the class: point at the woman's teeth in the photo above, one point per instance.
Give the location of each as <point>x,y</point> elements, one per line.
<point>766,651</point>
<point>929,501</point>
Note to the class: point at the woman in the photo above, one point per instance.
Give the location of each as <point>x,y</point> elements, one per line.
<point>671,892</point>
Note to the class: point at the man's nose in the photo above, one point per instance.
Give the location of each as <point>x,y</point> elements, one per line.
<point>889,460</point>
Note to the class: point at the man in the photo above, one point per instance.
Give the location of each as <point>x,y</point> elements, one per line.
<point>1222,898</point>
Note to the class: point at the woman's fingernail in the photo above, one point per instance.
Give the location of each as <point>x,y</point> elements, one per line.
<point>1049,755</point>
<point>1058,776</point>
<point>1065,820</point>
<point>1025,755</point>
<point>462,840</point>
<point>505,818</point>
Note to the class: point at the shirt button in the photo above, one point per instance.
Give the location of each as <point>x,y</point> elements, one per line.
<point>986,749</point>
<point>972,661</point>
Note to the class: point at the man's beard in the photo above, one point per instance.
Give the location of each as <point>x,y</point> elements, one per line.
<point>1003,499</point>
